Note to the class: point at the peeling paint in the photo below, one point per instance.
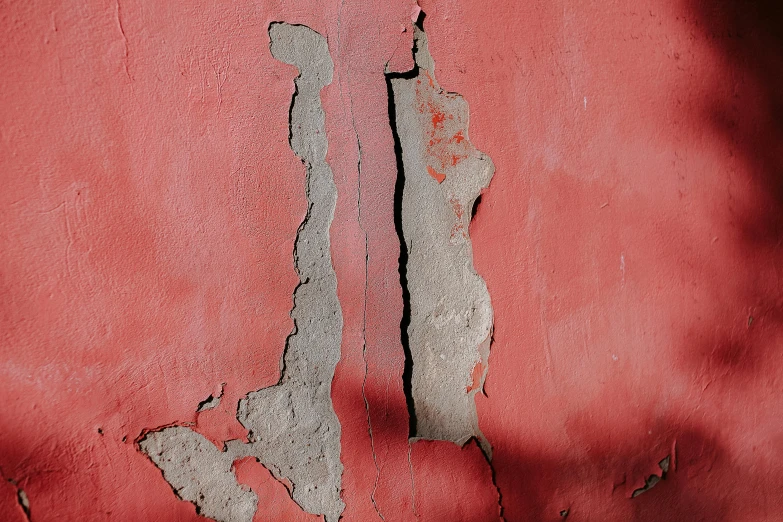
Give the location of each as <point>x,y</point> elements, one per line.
<point>652,480</point>
<point>200,473</point>
<point>150,205</point>
<point>293,430</point>
<point>22,500</point>
<point>211,402</point>
<point>450,315</point>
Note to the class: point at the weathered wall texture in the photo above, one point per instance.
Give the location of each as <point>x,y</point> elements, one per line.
<point>245,276</point>
<point>448,320</point>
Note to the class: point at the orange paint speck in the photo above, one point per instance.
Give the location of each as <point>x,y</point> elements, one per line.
<point>457,207</point>
<point>430,79</point>
<point>437,119</point>
<point>475,377</point>
<point>437,176</point>
<point>459,138</point>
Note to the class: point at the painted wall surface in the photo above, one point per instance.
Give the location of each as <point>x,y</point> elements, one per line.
<point>630,241</point>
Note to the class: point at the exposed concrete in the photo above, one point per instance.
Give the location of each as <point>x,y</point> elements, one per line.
<point>200,473</point>
<point>293,429</point>
<point>450,312</point>
<point>24,502</point>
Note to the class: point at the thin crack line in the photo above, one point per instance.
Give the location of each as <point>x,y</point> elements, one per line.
<point>364,308</point>
<point>366,270</point>
<point>364,315</point>
<point>413,480</point>
<point>501,509</point>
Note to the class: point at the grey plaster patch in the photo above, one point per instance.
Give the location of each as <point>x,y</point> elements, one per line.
<point>200,473</point>
<point>450,321</point>
<point>293,429</point>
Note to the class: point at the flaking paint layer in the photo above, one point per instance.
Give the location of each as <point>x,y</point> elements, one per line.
<point>450,322</point>
<point>292,427</point>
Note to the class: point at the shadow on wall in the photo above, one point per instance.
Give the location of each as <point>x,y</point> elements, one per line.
<point>594,479</point>
<point>747,113</point>
<point>707,482</point>
<point>455,485</point>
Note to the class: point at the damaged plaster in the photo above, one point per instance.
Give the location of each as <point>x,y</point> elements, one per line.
<point>21,496</point>
<point>200,473</point>
<point>211,402</point>
<point>450,316</point>
<point>652,480</point>
<point>293,429</point>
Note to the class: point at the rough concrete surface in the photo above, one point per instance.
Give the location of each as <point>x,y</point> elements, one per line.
<point>450,310</point>
<point>293,429</point>
<point>200,473</point>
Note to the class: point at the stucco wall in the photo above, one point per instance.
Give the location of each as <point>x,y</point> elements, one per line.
<point>629,241</point>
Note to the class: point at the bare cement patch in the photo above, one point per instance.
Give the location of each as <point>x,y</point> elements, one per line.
<point>450,321</point>
<point>293,429</point>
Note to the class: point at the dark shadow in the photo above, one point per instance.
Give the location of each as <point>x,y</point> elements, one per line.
<point>399,186</point>
<point>737,342</point>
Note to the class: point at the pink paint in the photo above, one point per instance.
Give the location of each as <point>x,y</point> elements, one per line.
<point>275,501</point>
<point>629,240</point>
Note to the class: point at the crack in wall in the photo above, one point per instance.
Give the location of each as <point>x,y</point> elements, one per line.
<point>447,320</point>
<point>293,429</point>
<point>501,509</point>
<point>21,496</point>
<point>24,501</point>
<point>402,261</point>
<point>413,480</point>
<point>366,272</point>
<point>446,326</point>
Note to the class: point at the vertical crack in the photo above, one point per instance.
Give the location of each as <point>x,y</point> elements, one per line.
<point>501,509</point>
<point>413,480</point>
<point>364,309</point>
<point>24,502</point>
<point>364,320</point>
<point>446,327</point>
<point>399,187</point>
<point>118,16</point>
<point>366,271</point>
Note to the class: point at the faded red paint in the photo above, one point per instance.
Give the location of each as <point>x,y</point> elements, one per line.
<point>475,377</point>
<point>630,241</point>
<point>444,151</point>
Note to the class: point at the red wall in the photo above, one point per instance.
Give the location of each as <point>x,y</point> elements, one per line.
<point>630,240</point>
